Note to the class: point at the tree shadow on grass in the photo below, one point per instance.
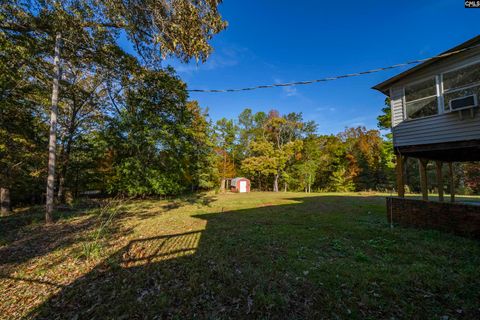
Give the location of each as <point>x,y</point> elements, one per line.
<point>26,237</point>
<point>41,240</point>
<point>12,224</point>
<point>152,208</point>
<point>320,257</point>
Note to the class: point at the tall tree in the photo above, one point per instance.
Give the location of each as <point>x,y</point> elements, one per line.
<point>275,147</point>
<point>370,166</point>
<point>21,130</point>
<point>21,142</point>
<point>147,136</point>
<point>203,171</point>
<point>385,118</point>
<point>82,108</point>
<point>311,159</point>
<point>226,133</point>
<point>158,29</point>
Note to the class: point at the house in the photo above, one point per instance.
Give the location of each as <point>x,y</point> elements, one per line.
<point>435,107</point>
<point>240,185</point>
<point>435,114</point>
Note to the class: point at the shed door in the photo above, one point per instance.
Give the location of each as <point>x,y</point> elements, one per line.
<point>243,186</point>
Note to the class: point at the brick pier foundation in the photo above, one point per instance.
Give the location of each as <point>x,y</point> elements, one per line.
<point>458,218</point>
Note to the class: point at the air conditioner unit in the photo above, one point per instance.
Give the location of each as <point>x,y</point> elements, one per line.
<point>462,103</point>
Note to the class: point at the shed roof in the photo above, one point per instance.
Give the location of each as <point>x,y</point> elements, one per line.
<point>385,85</point>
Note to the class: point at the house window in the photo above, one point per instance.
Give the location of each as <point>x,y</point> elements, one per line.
<point>421,99</point>
<point>460,83</point>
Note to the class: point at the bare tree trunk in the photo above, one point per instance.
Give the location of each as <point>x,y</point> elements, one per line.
<point>5,201</point>
<point>53,131</point>
<point>61,188</point>
<point>61,179</point>
<point>224,171</point>
<point>451,179</point>
<point>285,185</point>
<point>65,155</point>
<point>275,183</point>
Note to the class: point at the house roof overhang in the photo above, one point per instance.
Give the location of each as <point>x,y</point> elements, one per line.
<point>385,85</point>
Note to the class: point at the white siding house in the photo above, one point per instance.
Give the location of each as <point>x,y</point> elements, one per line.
<point>437,102</point>
<point>435,113</point>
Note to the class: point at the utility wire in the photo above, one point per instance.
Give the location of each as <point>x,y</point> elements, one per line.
<point>350,75</point>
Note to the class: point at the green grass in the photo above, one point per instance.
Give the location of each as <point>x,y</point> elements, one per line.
<point>257,255</point>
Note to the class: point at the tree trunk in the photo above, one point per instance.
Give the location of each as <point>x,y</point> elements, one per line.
<point>275,183</point>
<point>451,179</point>
<point>61,188</point>
<point>423,178</point>
<point>439,166</point>
<point>224,170</point>
<point>5,201</point>
<point>286,186</point>
<point>77,178</point>
<point>61,179</point>
<point>53,131</point>
<point>64,169</point>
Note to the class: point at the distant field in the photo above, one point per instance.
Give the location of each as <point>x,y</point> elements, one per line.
<point>257,255</point>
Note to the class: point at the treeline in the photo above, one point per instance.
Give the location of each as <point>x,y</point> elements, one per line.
<point>142,138</point>
<point>283,152</point>
<point>133,131</point>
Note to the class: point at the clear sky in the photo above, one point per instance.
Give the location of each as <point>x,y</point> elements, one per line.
<point>271,41</point>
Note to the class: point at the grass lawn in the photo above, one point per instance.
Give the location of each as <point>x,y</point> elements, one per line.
<point>257,255</point>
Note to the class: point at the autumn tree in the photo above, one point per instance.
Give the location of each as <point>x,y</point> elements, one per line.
<point>368,163</point>
<point>277,144</point>
<point>472,176</point>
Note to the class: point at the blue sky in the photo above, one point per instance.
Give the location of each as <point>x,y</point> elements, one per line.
<point>271,41</point>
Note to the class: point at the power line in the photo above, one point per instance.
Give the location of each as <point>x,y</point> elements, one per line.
<point>349,75</point>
